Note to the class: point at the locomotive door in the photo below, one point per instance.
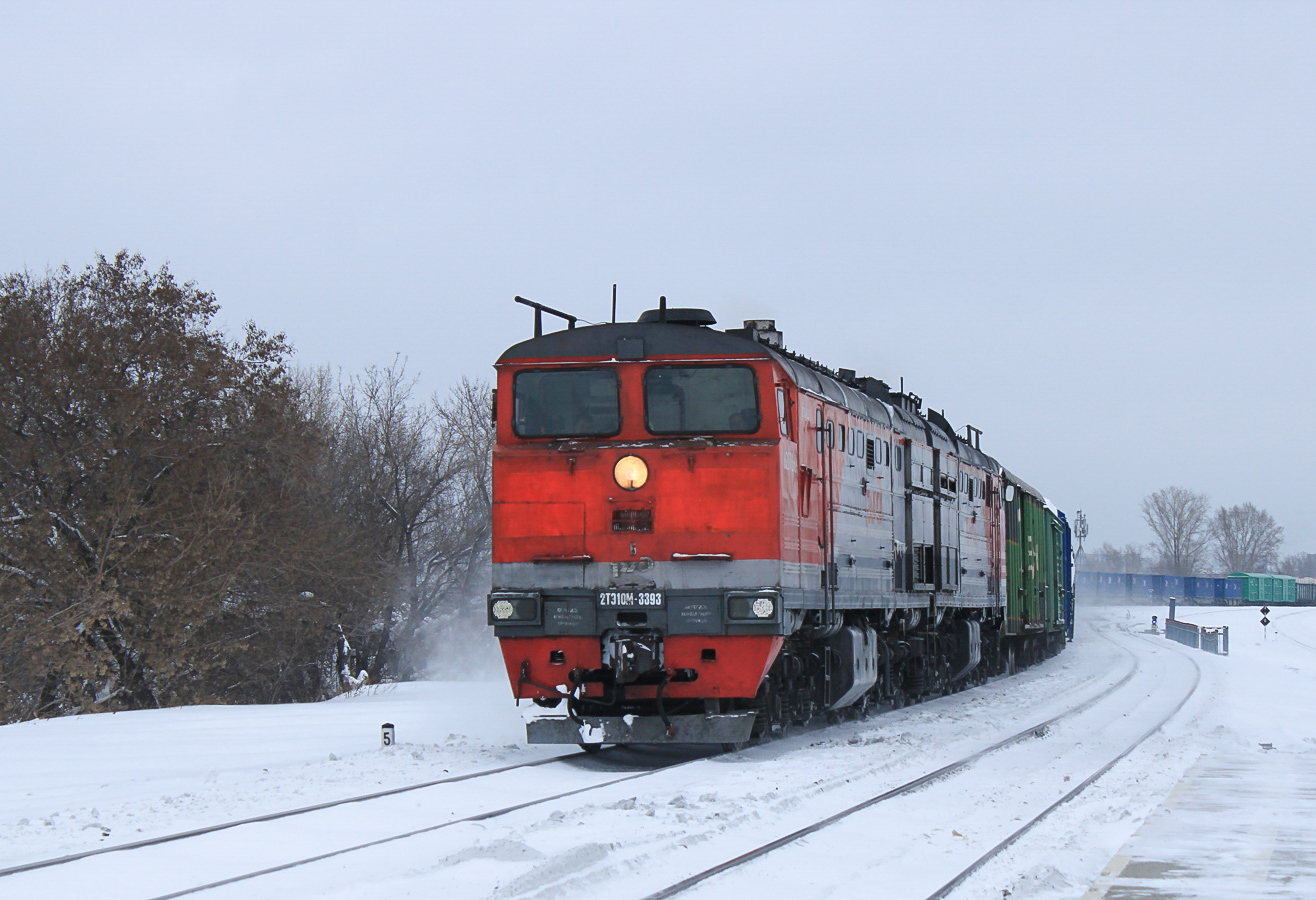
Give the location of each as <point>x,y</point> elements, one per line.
<point>812,503</point>
<point>900,514</point>
<point>827,498</point>
<point>949,537</point>
<point>890,516</point>
<point>833,473</point>
<point>992,513</point>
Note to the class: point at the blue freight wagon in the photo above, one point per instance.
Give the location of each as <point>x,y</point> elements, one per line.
<point>1087,584</point>
<point>1169,586</point>
<point>1199,590</point>
<point>1068,570</point>
<point>1228,591</point>
<point>1251,588</point>
<point>1144,587</point>
<point>1118,587</point>
<point>1115,585</point>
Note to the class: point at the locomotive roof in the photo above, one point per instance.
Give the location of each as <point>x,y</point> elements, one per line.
<point>670,339</point>
<point>660,339</point>
<point>1028,488</point>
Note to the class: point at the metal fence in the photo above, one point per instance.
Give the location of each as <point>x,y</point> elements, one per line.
<point>1212,640</point>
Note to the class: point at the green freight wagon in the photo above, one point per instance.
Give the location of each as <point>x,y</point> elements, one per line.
<point>1035,567</point>
<point>1266,590</point>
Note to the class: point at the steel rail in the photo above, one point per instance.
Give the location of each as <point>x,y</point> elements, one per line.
<point>302,810</point>
<point>959,879</point>
<point>1288,614</point>
<point>270,817</point>
<point>478,817</point>
<point>197,832</point>
<point>525,805</point>
<point>490,814</point>
<point>1288,637</point>
<point>909,786</point>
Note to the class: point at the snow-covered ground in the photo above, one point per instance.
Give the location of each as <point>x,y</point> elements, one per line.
<point>634,821</point>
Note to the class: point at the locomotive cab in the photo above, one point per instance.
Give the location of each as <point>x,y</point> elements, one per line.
<point>636,572</point>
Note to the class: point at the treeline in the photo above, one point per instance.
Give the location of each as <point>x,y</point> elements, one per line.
<point>186,518</point>
<point>1190,538</point>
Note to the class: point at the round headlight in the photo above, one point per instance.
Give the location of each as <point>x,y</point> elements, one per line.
<point>503,609</point>
<point>763,607</point>
<point>631,473</point>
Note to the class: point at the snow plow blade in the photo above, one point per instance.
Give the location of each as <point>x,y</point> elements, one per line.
<point>721,728</point>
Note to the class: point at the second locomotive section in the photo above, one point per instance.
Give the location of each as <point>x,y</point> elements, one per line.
<point>699,537</point>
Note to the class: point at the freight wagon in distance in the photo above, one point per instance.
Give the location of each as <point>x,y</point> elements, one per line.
<point>1238,589</point>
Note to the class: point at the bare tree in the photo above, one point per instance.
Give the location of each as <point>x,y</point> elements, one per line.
<point>1109,558</point>
<point>417,474</point>
<point>1180,520</point>
<point>1246,539</point>
<point>1299,565</point>
<point>461,552</point>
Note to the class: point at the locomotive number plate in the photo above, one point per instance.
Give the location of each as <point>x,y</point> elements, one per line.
<point>631,599</point>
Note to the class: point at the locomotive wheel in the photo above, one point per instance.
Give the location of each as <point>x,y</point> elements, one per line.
<point>734,746</point>
<point>591,748</point>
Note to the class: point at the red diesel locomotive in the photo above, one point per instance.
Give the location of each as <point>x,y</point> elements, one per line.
<point>701,537</point>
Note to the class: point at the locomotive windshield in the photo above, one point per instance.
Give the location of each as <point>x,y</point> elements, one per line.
<point>701,400</point>
<point>566,403</point>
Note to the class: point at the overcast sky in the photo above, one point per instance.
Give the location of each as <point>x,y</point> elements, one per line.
<point>1085,228</point>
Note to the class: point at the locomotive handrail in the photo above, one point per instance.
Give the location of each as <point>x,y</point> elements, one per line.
<point>687,557</point>
<point>540,309</point>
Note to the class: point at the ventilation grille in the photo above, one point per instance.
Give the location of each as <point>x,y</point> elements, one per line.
<point>632,520</point>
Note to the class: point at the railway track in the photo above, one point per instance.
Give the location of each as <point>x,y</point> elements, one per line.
<point>691,882</point>
<point>1288,637</point>
<point>478,817</point>
<point>490,811</point>
<point>1032,729</point>
<point>1292,639</point>
<point>1078,789</point>
<point>273,816</point>
<point>15,873</point>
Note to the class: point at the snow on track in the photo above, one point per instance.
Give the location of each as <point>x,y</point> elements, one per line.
<point>231,854</point>
<point>271,816</point>
<point>898,836</point>
<point>611,844</point>
<point>81,782</point>
<point>1261,693</point>
<point>629,839</point>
